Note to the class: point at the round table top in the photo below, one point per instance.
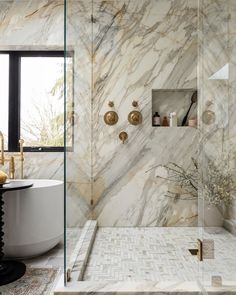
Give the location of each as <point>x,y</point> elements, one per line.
<point>15,185</point>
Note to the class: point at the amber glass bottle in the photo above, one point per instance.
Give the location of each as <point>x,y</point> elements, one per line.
<point>165,122</point>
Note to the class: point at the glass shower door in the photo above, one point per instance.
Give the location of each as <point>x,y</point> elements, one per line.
<point>217,75</point>
<point>77,37</point>
<point>90,27</point>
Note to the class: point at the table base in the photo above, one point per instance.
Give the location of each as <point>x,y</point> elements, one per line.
<point>11,271</point>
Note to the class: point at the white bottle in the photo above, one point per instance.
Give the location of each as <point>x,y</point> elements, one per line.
<point>173,120</point>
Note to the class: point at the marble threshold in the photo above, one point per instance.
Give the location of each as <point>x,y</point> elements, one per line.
<point>147,287</point>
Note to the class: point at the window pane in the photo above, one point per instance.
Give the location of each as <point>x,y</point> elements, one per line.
<point>4,91</point>
<point>42,101</point>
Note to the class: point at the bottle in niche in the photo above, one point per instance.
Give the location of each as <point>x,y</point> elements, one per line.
<point>173,119</point>
<point>165,122</point>
<point>192,122</point>
<point>156,120</point>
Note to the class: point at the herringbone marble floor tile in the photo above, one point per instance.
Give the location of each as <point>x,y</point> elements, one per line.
<point>154,254</point>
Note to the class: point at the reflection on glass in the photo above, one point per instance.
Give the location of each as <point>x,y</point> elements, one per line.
<point>221,74</point>
<point>42,101</point>
<point>4,93</point>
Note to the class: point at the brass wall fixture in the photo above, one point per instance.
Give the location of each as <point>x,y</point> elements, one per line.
<point>11,159</point>
<point>199,251</point>
<point>135,118</point>
<point>111,118</point>
<point>111,104</point>
<point>135,103</point>
<point>123,136</point>
<point>208,117</point>
<point>11,167</point>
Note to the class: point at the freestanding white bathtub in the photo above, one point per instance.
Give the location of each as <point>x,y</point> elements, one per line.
<point>33,219</point>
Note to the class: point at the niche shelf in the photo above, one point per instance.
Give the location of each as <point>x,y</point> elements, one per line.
<point>165,101</point>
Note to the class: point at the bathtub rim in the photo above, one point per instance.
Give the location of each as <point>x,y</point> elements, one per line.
<point>39,183</point>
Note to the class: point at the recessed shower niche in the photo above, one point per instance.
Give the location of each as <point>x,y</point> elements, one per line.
<point>182,102</point>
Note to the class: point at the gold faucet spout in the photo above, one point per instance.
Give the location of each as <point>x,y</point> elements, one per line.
<point>11,158</point>
<point>12,168</point>
<point>21,142</point>
<point>1,149</point>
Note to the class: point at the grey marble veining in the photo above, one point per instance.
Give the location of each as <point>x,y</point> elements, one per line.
<point>137,48</point>
<point>130,48</point>
<point>32,22</point>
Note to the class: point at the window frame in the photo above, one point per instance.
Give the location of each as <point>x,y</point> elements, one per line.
<point>14,120</point>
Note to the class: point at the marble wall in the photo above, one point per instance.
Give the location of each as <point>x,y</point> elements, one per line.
<point>139,46</point>
<point>127,49</point>
<point>39,25</point>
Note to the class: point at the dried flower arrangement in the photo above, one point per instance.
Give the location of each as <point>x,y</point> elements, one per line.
<point>217,186</point>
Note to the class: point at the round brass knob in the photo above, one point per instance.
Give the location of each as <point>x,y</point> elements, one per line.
<point>111,104</point>
<point>135,104</point>
<point>111,118</point>
<point>135,118</point>
<point>208,117</point>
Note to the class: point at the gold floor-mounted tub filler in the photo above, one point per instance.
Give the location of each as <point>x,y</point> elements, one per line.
<point>11,159</point>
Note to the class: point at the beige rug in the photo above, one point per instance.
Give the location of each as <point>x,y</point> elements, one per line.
<point>36,281</point>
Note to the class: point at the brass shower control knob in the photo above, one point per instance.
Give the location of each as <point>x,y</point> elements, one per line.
<point>123,136</point>
<point>135,104</point>
<point>111,118</point>
<point>111,104</point>
<point>135,118</point>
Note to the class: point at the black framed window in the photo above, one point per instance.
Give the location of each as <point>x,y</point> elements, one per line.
<point>32,98</point>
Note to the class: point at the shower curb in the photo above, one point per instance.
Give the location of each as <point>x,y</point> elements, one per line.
<point>79,258</point>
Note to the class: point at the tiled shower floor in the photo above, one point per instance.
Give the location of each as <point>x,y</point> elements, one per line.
<point>159,254</point>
